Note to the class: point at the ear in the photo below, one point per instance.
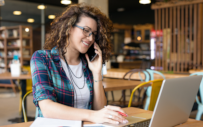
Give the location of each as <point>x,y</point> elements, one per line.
<point>70,30</point>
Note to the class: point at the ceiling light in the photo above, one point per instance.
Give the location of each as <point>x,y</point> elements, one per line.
<point>41,7</point>
<point>120,9</point>
<point>144,1</point>
<point>66,2</point>
<point>2,2</point>
<point>30,20</point>
<point>17,12</point>
<point>51,16</point>
<point>27,29</point>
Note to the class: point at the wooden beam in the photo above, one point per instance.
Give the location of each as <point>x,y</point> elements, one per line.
<point>163,50</point>
<point>186,35</point>
<point>159,42</point>
<point>182,55</point>
<point>156,51</point>
<point>159,5</point>
<point>122,26</point>
<point>202,37</point>
<point>195,37</point>
<point>174,39</point>
<point>199,35</point>
<point>179,42</point>
<point>171,31</point>
<point>191,22</point>
<point>166,62</point>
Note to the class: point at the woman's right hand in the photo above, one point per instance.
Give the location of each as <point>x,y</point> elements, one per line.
<point>109,114</point>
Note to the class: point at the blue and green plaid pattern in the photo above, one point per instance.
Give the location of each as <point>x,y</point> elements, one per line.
<point>50,80</point>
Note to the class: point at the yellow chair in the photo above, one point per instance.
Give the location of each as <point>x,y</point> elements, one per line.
<point>23,105</point>
<point>156,85</point>
<point>28,86</point>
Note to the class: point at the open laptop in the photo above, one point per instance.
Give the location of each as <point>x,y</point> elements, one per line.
<point>173,106</point>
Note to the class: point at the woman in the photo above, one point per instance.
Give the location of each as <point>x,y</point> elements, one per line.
<point>66,85</point>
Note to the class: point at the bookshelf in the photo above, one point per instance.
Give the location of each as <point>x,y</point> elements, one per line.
<point>15,40</point>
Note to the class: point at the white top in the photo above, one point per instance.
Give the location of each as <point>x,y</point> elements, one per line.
<point>82,96</point>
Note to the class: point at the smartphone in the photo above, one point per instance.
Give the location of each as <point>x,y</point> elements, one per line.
<point>91,53</point>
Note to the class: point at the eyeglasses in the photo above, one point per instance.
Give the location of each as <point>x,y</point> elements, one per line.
<point>88,32</point>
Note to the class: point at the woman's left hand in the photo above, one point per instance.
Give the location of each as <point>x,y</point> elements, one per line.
<point>96,65</point>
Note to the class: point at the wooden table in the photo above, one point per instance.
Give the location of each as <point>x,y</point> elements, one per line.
<point>119,84</point>
<point>130,111</point>
<point>119,73</point>
<point>194,71</point>
<point>7,75</point>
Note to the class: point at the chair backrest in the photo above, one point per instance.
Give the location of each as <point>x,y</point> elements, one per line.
<point>131,72</point>
<point>28,81</point>
<point>23,105</point>
<point>152,72</point>
<point>200,87</point>
<point>156,86</point>
<point>154,83</point>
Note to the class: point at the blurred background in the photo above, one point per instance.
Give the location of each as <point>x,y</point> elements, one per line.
<point>162,35</point>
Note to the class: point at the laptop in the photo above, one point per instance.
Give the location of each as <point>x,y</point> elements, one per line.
<point>173,106</point>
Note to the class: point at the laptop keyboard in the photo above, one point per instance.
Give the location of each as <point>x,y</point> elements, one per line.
<point>140,124</point>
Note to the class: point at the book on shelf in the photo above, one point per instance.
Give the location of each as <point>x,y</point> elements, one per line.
<point>14,43</point>
<point>14,52</point>
<point>24,42</point>
<point>12,33</point>
<point>2,64</point>
<point>1,44</point>
<point>15,33</point>
<point>2,54</point>
<point>3,34</point>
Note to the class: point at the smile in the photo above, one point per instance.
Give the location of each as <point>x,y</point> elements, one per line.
<point>85,43</point>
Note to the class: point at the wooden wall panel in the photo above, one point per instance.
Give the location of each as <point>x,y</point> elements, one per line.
<point>156,22</point>
<point>195,37</point>
<point>178,42</point>
<point>202,37</point>
<point>174,40</point>
<point>185,23</point>
<point>163,52</point>
<point>191,41</point>
<point>171,30</point>
<point>167,41</point>
<point>199,35</point>
<point>186,36</point>
<point>182,44</point>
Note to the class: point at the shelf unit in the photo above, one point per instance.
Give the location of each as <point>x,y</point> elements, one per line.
<point>142,33</point>
<point>15,40</point>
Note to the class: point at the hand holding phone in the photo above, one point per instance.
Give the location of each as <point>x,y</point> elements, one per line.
<point>91,53</point>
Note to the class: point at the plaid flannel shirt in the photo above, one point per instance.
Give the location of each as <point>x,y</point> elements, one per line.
<point>50,81</point>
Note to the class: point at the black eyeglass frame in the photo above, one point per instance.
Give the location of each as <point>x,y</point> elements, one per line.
<point>91,33</point>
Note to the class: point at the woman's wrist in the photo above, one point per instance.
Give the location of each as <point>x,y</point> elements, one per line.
<point>91,116</point>
<point>97,76</point>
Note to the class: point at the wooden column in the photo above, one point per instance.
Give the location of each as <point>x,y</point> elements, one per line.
<point>191,41</point>
<point>156,43</point>
<point>171,29</point>
<point>186,36</point>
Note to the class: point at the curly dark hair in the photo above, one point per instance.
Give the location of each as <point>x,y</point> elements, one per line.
<point>61,26</point>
